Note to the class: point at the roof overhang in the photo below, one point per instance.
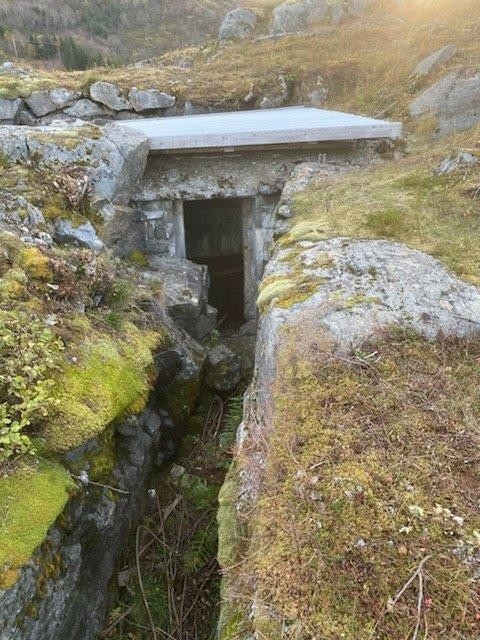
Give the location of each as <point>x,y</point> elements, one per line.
<point>261,129</point>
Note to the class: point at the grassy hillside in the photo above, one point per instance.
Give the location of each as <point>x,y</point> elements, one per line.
<point>118,29</point>
<point>365,65</point>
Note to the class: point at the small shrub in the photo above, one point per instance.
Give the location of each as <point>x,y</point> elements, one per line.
<point>29,352</point>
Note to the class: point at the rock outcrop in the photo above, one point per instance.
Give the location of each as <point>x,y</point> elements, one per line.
<point>63,591</point>
<point>83,235</point>
<point>435,60</point>
<point>150,99</point>
<point>454,101</point>
<point>185,288</point>
<point>10,110</point>
<point>116,156</point>
<point>48,101</point>
<point>291,17</point>
<point>238,24</point>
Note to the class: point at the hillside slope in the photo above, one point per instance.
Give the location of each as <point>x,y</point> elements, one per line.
<point>120,29</point>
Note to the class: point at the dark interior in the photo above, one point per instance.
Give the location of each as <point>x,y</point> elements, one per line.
<point>213,236</point>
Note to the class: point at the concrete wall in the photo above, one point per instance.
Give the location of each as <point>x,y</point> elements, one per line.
<point>157,223</point>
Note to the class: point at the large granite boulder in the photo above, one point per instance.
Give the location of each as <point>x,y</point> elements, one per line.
<point>323,306</point>
<point>435,60</point>
<point>222,370</point>
<point>373,283</point>
<point>150,99</point>
<point>238,24</point>
<point>454,101</point>
<point>291,17</point>
<point>85,109</point>
<point>185,289</point>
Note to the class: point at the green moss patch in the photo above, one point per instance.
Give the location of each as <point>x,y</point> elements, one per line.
<point>30,501</point>
<point>372,477</point>
<point>111,375</point>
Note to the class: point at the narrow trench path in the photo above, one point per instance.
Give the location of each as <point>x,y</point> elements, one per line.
<point>169,586</point>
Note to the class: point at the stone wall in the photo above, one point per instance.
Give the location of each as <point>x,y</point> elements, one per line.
<point>100,103</point>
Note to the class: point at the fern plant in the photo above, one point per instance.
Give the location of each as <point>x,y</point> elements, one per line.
<point>233,418</point>
<point>202,548</point>
<point>199,492</point>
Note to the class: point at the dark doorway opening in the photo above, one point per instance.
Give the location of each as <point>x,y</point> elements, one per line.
<point>214,237</point>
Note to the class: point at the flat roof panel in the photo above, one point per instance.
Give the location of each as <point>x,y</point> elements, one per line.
<point>260,127</point>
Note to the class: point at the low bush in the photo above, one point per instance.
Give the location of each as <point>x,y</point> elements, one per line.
<point>29,352</point>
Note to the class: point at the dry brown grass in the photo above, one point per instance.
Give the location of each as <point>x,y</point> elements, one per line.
<point>372,474</point>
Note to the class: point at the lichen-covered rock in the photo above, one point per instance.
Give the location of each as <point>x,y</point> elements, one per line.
<point>305,449</point>
<point>223,370</point>
<point>454,101</point>
<point>83,236</point>
<point>47,101</point>
<point>298,16</point>
<point>115,157</point>
<point>10,110</point>
<point>63,591</point>
<point>433,61</point>
<point>150,99</point>
<point>185,287</point>
<point>238,24</point>
<point>110,95</point>
<point>86,109</point>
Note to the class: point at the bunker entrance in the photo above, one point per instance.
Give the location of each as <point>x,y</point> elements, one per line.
<point>214,237</point>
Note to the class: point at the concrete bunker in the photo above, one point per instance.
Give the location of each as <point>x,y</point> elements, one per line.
<point>212,185</point>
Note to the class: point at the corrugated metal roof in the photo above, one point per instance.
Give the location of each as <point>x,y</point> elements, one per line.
<point>258,128</point>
